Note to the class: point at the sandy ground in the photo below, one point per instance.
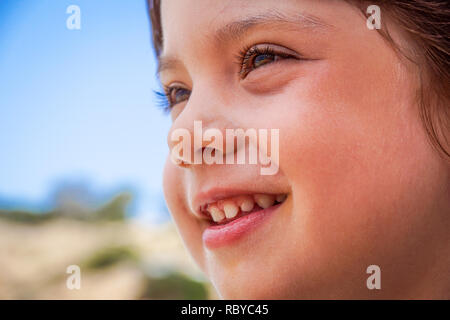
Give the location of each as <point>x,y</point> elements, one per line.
<point>34,259</point>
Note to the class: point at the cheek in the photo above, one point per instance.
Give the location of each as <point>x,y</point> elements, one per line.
<point>362,173</point>
<point>346,134</point>
<point>351,139</point>
<point>188,226</point>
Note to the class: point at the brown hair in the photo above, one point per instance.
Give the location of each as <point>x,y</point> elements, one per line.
<point>427,24</point>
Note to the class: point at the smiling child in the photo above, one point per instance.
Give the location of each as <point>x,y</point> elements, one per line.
<point>363,172</point>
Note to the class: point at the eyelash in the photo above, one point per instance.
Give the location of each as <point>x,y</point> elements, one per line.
<point>248,53</point>
<point>163,98</point>
<point>243,58</point>
<point>162,101</point>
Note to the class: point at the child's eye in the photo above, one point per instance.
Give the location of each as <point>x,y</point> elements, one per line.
<point>263,59</point>
<point>177,95</point>
<point>260,55</point>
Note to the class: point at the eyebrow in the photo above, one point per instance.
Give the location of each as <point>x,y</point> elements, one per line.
<point>299,21</point>
<point>167,63</point>
<point>235,30</point>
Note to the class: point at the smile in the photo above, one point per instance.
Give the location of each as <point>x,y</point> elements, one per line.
<point>231,218</point>
<point>224,211</point>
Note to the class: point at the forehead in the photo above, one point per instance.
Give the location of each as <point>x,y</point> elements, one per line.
<point>186,23</point>
<point>181,17</point>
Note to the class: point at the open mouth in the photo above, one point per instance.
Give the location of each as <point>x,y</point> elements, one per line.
<point>231,218</point>
<point>227,210</point>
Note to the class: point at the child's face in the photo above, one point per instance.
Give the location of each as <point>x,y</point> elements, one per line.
<point>363,186</point>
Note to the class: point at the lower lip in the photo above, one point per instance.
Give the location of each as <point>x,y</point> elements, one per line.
<point>220,235</point>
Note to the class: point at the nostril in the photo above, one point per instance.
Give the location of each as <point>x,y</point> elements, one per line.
<point>181,163</point>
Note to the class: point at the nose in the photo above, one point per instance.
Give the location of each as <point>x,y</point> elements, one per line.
<point>196,129</point>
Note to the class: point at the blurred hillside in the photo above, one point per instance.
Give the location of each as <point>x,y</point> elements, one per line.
<point>119,258</point>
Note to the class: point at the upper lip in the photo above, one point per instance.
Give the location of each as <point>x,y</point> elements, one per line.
<point>203,198</point>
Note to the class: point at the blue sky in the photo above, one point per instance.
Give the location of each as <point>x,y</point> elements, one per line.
<point>78,105</point>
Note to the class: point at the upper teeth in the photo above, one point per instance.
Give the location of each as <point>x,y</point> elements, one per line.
<point>216,213</point>
<point>229,208</point>
<point>247,205</point>
<point>264,200</point>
